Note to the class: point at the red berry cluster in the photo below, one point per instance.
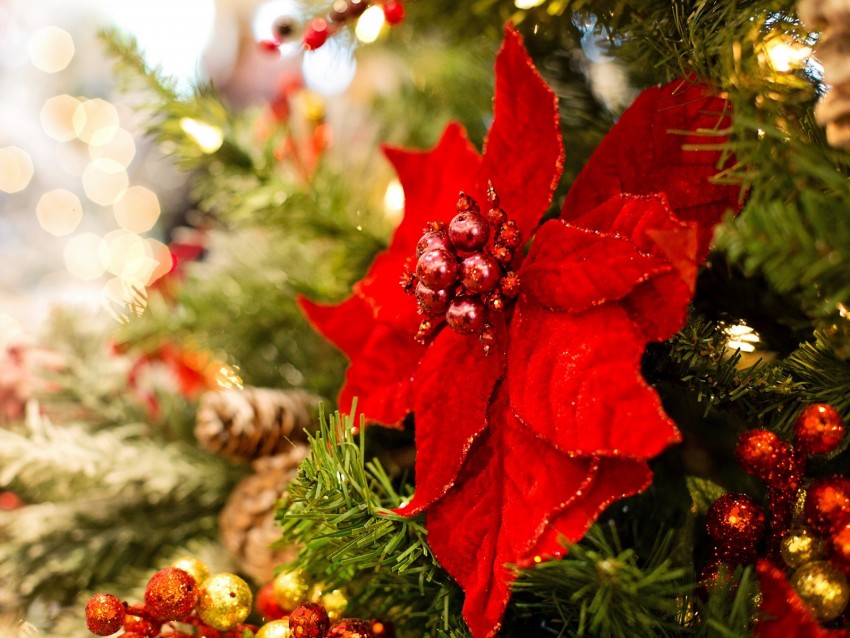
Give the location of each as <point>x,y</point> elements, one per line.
<point>736,524</point>
<point>310,620</point>
<point>460,274</point>
<point>343,12</point>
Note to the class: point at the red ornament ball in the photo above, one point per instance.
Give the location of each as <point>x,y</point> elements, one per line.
<point>819,429</point>
<point>827,504</point>
<point>437,269</point>
<point>469,231</point>
<point>104,614</point>
<point>431,302</point>
<point>316,33</point>
<point>351,628</point>
<point>136,624</point>
<point>465,315</point>
<point>840,545</point>
<point>480,272</point>
<point>394,12</point>
<point>761,452</point>
<point>309,620</point>
<point>171,594</point>
<point>735,522</point>
<point>433,240</point>
<point>266,604</point>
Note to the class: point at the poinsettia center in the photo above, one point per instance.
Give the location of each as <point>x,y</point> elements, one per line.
<point>462,272</point>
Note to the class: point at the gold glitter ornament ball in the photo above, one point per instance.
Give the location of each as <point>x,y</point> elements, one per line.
<point>823,588</point>
<point>291,589</point>
<point>333,600</point>
<point>275,629</point>
<point>801,547</point>
<point>225,601</point>
<point>194,567</point>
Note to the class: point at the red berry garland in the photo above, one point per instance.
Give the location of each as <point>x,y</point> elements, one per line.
<point>104,614</point>
<point>394,12</point>
<point>171,594</point>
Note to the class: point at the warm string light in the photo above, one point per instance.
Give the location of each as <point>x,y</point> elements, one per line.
<point>784,54</point>
<point>741,337</point>
<point>208,138</point>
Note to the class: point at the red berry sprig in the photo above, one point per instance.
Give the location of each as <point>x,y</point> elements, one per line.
<point>460,274</point>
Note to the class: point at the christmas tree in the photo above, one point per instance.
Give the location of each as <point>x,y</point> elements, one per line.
<point>539,329</point>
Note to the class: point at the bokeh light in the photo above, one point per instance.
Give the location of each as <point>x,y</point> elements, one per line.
<point>95,121</point>
<point>329,69</point>
<point>10,329</point>
<point>125,255</point>
<point>209,138</point>
<point>137,210</point>
<point>121,148</point>
<point>59,212</point>
<point>160,253</point>
<point>394,200</point>
<point>16,169</point>
<point>527,4</point>
<point>82,256</point>
<point>370,24</point>
<point>57,117</point>
<point>105,181</point>
<point>51,49</point>
<point>121,297</point>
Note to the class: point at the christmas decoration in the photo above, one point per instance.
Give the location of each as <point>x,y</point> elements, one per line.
<point>617,219</point>
<point>253,422</point>
<point>819,429</point>
<point>351,628</point>
<point>291,588</point>
<point>171,594</point>
<point>823,588</point>
<point>225,601</point>
<point>334,601</point>
<point>383,629</point>
<point>309,620</point>
<point>801,547</point>
<point>736,524</point>
<point>831,19</point>
<point>196,568</point>
<point>827,503</point>
<point>266,605</point>
<point>247,520</point>
<point>104,614</point>
<point>275,629</point>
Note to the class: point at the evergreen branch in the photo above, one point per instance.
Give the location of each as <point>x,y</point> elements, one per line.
<point>100,502</point>
<point>339,508</point>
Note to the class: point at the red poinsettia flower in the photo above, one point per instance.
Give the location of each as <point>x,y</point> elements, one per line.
<point>521,448</point>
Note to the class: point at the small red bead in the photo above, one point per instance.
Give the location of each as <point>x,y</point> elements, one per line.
<point>309,620</point>
<point>466,204</point>
<point>496,217</point>
<point>432,240</point>
<point>104,614</point>
<point>509,235</point>
<point>736,524</point>
<point>437,269</point>
<point>760,452</point>
<point>469,231</point>
<point>827,504</point>
<point>394,12</point>
<point>509,285</point>
<point>269,46</point>
<point>316,33</point>
<point>465,315</point>
<point>171,594</point>
<point>819,429</point>
<point>480,273</point>
<point>431,302</point>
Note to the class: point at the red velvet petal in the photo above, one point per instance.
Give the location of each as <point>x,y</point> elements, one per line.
<point>454,384</point>
<point>576,381</point>
<point>646,152</point>
<point>347,324</point>
<point>613,479</point>
<point>511,483</point>
<point>523,156</point>
<point>782,613</point>
<point>572,269</point>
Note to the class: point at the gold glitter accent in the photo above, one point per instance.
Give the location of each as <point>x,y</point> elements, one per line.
<point>197,569</point>
<point>823,588</point>
<point>291,589</point>
<point>334,600</point>
<point>275,629</point>
<point>801,547</point>
<point>225,601</point>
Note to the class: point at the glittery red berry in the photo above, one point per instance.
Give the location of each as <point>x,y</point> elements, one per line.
<point>480,273</point>
<point>469,231</point>
<point>383,628</point>
<point>431,302</point>
<point>433,240</point>
<point>819,429</point>
<point>104,614</point>
<point>351,628</point>
<point>509,235</point>
<point>437,269</point>
<point>760,452</point>
<point>309,620</point>
<point>496,217</point>
<point>735,522</point>
<point>840,545</point>
<point>316,33</point>
<point>465,315</point>
<point>466,204</point>
<point>827,504</point>
<point>171,594</point>
<point>266,604</point>
<point>394,12</point>
<point>136,624</point>
<point>509,285</point>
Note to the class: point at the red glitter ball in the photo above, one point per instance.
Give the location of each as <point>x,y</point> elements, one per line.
<point>394,12</point>
<point>316,33</point>
<point>735,522</point>
<point>827,504</point>
<point>309,620</point>
<point>840,546</point>
<point>351,628</point>
<point>136,624</point>
<point>104,614</point>
<point>266,604</point>
<point>171,594</point>
<point>819,429</point>
<point>760,452</point>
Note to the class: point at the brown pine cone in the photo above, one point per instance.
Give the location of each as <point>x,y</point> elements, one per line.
<point>247,424</point>
<point>247,521</point>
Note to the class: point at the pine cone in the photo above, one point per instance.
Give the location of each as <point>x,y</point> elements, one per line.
<point>832,18</point>
<point>247,521</point>
<point>247,424</point>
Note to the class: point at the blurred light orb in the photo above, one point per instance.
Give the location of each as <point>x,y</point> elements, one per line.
<point>527,4</point>
<point>209,138</point>
<point>121,148</point>
<point>95,121</point>
<point>59,212</point>
<point>82,256</point>
<point>137,210</point>
<point>57,117</point>
<point>329,69</point>
<point>394,200</point>
<point>162,255</point>
<point>10,329</point>
<point>123,253</point>
<point>16,169</point>
<point>370,24</point>
<point>122,297</point>
<point>105,181</point>
<point>51,49</point>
